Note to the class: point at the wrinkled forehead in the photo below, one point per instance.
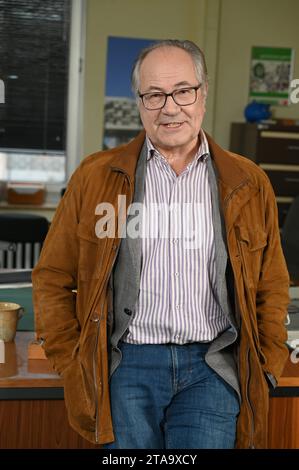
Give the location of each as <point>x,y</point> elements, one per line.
<point>167,66</point>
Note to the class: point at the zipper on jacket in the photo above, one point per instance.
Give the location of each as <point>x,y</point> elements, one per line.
<point>248,376</point>
<point>248,369</point>
<point>98,320</point>
<point>94,368</point>
<point>251,445</point>
<point>95,361</point>
<point>95,296</point>
<point>252,306</point>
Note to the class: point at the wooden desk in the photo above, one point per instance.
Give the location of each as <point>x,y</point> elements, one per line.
<point>33,414</point>
<point>32,410</point>
<point>284,410</point>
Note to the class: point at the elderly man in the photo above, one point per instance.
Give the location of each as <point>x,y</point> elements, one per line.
<point>172,244</point>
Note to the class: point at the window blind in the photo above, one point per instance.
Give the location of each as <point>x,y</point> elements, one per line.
<point>34,49</point>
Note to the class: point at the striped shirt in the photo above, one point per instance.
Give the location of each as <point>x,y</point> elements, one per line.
<point>177,299</point>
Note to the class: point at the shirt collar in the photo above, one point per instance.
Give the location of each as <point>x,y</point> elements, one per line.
<point>202,152</point>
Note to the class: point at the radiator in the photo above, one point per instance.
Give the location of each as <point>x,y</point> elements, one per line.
<point>19,255</point>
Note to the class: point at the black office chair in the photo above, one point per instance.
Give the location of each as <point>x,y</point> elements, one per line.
<point>290,240</point>
<point>21,239</point>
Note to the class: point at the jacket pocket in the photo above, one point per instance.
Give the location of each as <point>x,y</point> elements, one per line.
<point>77,402</point>
<point>91,253</point>
<point>258,348</point>
<point>251,244</point>
<point>255,238</point>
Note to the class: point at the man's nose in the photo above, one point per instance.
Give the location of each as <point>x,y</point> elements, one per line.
<point>170,106</point>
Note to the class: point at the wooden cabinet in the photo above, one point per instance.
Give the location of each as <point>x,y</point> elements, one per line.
<point>32,410</point>
<point>283,429</point>
<point>276,149</point>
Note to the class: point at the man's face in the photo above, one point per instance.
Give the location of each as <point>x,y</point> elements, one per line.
<point>172,127</point>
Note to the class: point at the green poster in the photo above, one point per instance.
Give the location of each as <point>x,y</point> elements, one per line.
<point>271,74</point>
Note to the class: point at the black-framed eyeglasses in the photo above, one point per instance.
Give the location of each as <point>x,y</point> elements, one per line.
<point>157,99</point>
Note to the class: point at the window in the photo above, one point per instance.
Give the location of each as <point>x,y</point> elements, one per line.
<point>34,51</point>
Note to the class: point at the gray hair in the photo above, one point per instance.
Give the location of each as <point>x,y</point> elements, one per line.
<point>193,50</point>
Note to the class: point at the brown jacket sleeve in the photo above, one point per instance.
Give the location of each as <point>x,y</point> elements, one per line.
<point>55,277</point>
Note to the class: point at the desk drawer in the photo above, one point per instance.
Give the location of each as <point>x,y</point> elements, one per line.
<point>284,179</point>
<point>278,147</point>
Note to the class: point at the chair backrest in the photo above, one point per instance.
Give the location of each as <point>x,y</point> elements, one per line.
<point>290,239</point>
<point>21,239</point>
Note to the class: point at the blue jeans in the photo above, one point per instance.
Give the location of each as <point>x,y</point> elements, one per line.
<point>165,396</point>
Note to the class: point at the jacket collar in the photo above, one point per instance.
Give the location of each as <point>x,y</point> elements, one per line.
<point>236,188</point>
<point>125,160</point>
<point>230,176</point>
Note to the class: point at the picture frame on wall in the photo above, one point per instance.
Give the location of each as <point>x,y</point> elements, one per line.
<point>271,70</point>
<point>121,115</point>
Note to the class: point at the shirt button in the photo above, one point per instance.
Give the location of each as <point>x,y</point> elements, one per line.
<point>177,307</point>
<point>176,274</point>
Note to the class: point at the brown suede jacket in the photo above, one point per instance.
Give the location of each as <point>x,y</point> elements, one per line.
<point>74,325</point>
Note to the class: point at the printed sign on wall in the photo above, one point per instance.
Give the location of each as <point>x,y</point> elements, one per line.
<point>271,74</point>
